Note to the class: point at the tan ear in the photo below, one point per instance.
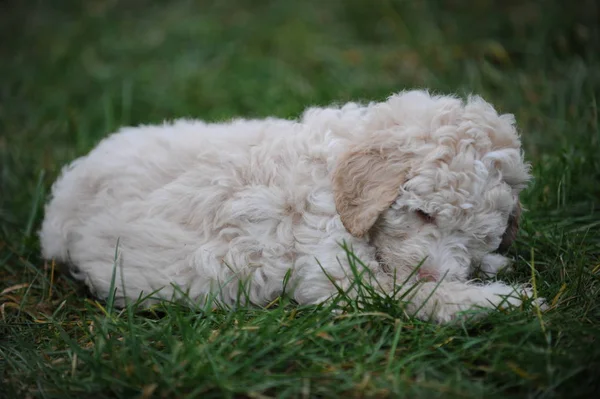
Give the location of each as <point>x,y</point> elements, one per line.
<point>365,183</point>
<point>511,229</point>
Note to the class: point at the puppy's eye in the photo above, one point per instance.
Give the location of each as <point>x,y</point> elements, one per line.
<point>424,216</point>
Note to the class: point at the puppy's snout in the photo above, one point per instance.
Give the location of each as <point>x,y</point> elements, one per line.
<point>427,274</point>
<point>448,261</point>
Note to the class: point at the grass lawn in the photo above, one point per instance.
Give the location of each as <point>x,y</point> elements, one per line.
<point>74,71</point>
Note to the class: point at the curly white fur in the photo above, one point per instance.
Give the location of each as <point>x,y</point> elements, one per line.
<point>200,207</point>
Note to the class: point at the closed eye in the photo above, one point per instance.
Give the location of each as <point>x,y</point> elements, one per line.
<point>424,216</point>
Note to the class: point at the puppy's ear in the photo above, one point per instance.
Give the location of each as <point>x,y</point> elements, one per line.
<point>365,183</point>
<point>511,229</point>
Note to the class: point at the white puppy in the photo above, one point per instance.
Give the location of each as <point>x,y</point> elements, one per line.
<point>198,208</point>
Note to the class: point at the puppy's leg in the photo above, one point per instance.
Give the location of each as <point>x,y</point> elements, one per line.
<point>318,278</point>
<point>491,264</point>
<point>444,301</point>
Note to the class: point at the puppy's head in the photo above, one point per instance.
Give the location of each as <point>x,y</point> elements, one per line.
<point>434,182</point>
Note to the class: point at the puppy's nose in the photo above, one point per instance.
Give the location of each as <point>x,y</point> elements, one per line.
<point>426,274</point>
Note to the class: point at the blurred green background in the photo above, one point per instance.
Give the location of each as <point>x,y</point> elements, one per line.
<point>73,71</point>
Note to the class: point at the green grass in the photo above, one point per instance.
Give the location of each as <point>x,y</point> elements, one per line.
<point>73,71</point>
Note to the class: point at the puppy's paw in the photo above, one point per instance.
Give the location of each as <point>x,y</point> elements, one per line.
<point>541,303</point>
<point>491,264</point>
<point>451,301</point>
<point>523,294</point>
<point>527,293</point>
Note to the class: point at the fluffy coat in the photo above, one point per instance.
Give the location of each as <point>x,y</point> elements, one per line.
<point>198,208</point>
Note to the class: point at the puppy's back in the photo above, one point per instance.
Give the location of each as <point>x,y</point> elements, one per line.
<point>129,165</point>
